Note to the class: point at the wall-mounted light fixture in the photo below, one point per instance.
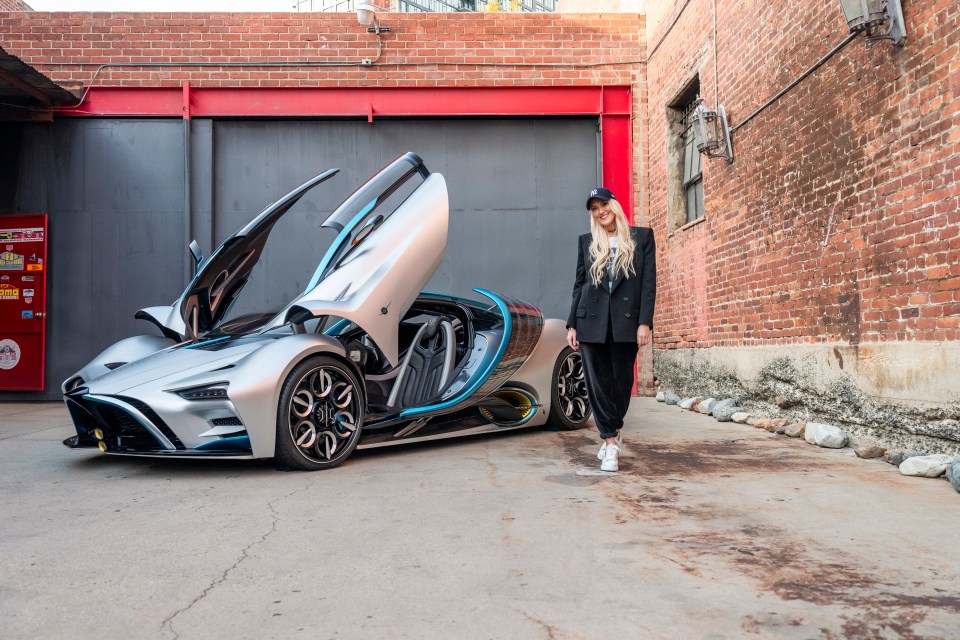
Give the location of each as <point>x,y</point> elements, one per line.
<point>713,132</point>
<point>367,17</point>
<point>867,16</point>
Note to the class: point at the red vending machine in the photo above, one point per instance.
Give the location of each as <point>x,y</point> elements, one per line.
<point>23,301</point>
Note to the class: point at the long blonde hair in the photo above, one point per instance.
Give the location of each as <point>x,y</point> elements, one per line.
<point>600,246</point>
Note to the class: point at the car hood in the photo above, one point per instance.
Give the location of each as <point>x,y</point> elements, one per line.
<point>182,360</point>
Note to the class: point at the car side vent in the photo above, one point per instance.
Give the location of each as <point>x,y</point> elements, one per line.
<point>229,366</point>
<point>226,422</point>
<point>74,385</point>
<point>114,365</point>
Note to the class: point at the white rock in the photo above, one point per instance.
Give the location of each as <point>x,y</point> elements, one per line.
<point>660,396</point>
<point>740,416</point>
<point>931,466</point>
<point>825,435</point>
<point>686,403</point>
<point>706,406</point>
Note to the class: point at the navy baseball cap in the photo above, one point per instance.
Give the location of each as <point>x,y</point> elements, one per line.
<point>600,193</point>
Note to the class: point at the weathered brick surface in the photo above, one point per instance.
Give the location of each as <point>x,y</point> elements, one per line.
<point>422,49</point>
<point>14,5</point>
<point>838,220</point>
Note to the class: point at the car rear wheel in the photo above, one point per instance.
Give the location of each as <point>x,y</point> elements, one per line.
<point>320,415</point>
<point>569,404</point>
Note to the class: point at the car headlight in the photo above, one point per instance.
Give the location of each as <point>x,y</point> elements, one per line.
<point>214,391</point>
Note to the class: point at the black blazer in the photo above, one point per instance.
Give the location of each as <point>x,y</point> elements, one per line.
<point>631,303</point>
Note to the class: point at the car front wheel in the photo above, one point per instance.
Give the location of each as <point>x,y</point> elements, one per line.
<point>569,404</point>
<point>320,415</point>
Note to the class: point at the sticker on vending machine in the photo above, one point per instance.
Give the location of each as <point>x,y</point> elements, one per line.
<point>10,261</point>
<point>9,354</point>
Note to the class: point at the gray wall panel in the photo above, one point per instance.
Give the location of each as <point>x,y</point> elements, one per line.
<point>114,193</point>
<point>201,195</point>
<point>130,167</point>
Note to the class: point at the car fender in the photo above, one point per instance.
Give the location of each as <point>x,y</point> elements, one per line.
<point>257,379</point>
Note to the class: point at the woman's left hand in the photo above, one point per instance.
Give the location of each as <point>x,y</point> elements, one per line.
<point>643,335</point>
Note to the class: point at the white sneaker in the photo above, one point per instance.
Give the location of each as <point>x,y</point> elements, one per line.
<point>610,459</point>
<point>603,447</point>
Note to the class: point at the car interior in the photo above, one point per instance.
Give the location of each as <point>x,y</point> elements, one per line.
<point>435,342</point>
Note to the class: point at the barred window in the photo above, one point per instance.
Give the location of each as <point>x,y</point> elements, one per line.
<point>692,169</point>
<point>684,167</point>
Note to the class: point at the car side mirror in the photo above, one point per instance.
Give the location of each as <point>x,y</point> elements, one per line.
<point>197,254</point>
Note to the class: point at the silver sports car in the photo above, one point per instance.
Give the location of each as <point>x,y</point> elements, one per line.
<point>362,358</point>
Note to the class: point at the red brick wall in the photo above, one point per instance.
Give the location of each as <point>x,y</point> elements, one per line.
<point>422,49</point>
<point>14,5</point>
<point>838,220</point>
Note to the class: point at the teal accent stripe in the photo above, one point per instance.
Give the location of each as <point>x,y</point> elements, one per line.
<point>481,378</point>
<point>236,443</point>
<point>337,328</point>
<point>206,342</point>
<point>341,237</point>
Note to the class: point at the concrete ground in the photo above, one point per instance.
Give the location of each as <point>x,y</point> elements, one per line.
<point>709,530</point>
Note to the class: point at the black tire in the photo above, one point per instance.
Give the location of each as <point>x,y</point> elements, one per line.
<point>319,416</point>
<point>569,404</point>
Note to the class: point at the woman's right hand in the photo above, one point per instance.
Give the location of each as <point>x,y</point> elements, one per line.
<point>572,339</point>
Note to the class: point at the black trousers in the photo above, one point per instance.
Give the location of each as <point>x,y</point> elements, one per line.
<point>609,368</point>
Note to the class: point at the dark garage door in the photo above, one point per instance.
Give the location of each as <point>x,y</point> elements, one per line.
<point>115,192</point>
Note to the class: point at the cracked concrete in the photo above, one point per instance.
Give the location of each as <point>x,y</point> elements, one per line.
<point>710,530</point>
<point>167,624</point>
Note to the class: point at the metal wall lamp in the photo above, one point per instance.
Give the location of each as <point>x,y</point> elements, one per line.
<point>866,16</point>
<point>367,17</point>
<point>713,132</point>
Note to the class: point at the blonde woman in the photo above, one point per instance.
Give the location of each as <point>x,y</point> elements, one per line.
<point>612,313</point>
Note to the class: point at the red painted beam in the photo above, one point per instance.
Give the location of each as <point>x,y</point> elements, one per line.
<point>185,105</point>
<point>129,101</point>
<point>356,102</point>
<point>616,156</point>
